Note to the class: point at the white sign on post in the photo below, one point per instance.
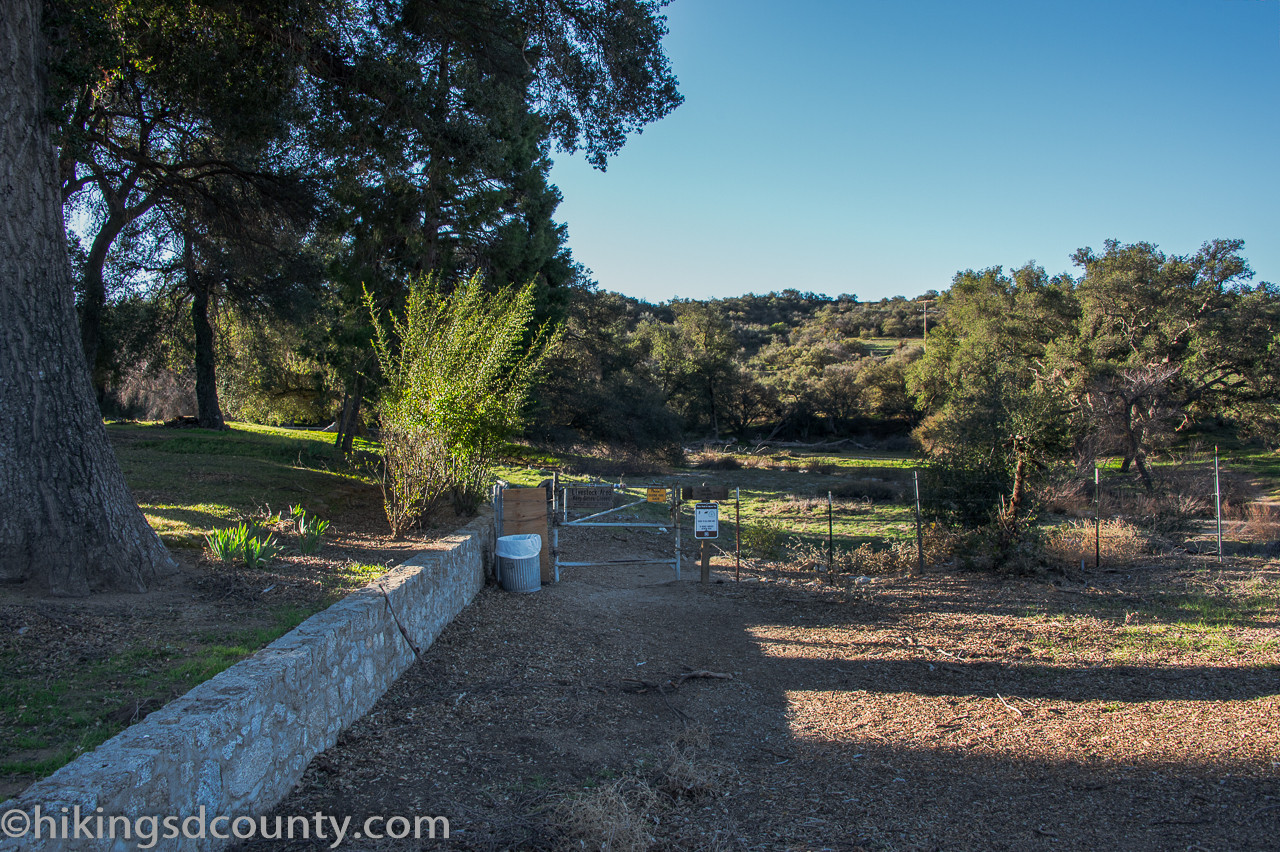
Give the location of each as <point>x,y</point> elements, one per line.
<point>706,520</point>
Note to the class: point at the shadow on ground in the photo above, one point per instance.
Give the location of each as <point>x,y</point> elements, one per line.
<point>840,729</point>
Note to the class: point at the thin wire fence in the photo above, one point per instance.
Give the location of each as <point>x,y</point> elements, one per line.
<point>1094,518</point>
<point>903,520</point>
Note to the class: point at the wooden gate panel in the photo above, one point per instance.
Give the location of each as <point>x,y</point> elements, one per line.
<point>524,511</point>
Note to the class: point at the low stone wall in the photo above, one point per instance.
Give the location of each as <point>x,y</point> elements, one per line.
<point>237,743</point>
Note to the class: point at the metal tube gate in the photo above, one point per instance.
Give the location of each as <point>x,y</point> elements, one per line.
<point>561,519</point>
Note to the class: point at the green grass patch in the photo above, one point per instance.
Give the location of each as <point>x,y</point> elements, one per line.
<point>189,482</point>
<point>347,578</point>
<point>885,346</point>
<point>1142,640</point>
<point>223,477</point>
<point>45,723</point>
<point>1195,610</point>
<point>1207,612</point>
<point>1264,465</point>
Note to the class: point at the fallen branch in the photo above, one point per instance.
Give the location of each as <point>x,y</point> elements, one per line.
<point>1260,811</point>
<point>1007,704</point>
<point>637,686</point>
<point>803,445</point>
<point>412,645</point>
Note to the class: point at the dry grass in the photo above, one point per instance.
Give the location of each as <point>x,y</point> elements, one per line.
<point>786,462</point>
<point>624,813</point>
<point>1261,522</point>
<point>794,504</point>
<point>713,460</point>
<point>617,817</point>
<point>685,775</point>
<point>940,545</point>
<point>1119,542</point>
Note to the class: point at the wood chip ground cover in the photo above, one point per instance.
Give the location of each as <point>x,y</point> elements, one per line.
<point>951,711</point>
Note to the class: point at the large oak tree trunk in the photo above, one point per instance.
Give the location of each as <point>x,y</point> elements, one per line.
<point>66,515</point>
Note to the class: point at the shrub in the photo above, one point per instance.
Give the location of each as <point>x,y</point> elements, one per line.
<point>1066,494</point>
<point>940,545</point>
<point>874,490</point>
<point>1172,516</point>
<point>458,372</point>
<point>711,460</point>
<point>763,539</point>
<point>1119,541</point>
<point>1261,522</point>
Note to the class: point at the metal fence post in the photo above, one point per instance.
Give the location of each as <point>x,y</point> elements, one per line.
<point>915,475</point>
<point>1217,500</point>
<point>737,534</point>
<point>1097,517</point>
<point>831,562</point>
<point>675,510</point>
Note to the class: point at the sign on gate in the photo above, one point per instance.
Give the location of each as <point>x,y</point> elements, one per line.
<point>655,495</point>
<point>589,496</point>
<point>706,520</point>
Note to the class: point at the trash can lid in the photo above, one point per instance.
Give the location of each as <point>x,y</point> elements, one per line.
<point>519,546</point>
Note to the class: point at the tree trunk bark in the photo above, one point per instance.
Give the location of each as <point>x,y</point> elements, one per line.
<point>1147,482</point>
<point>95,290</point>
<point>95,299</point>
<point>349,419</point>
<point>208,411</point>
<point>68,518</point>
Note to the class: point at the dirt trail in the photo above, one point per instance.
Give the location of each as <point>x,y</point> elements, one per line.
<point>935,714</point>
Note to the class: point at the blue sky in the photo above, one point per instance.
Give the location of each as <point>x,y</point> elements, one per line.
<point>876,147</point>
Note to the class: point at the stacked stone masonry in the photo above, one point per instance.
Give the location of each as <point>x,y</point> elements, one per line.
<point>239,742</point>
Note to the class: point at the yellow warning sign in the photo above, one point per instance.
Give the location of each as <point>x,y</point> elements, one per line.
<point>656,495</point>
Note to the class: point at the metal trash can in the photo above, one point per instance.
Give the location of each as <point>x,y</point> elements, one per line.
<point>518,562</point>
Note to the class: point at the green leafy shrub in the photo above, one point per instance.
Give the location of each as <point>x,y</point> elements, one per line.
<point>763,539</point>
<point>458,369</point>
